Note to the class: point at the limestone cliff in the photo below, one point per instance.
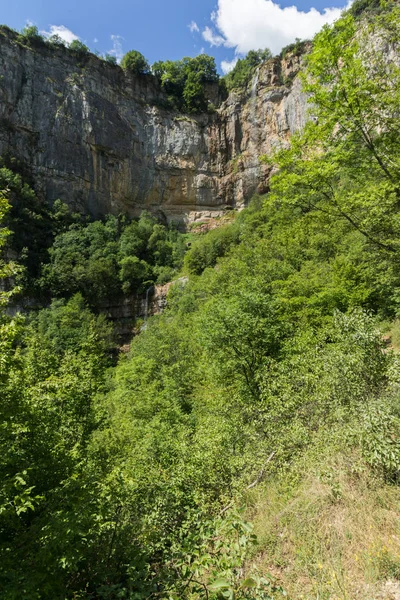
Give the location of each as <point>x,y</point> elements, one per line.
<point>100,140</point>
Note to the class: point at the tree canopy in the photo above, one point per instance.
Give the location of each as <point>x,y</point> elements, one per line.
<point>244,69</point>
<point>135,62</point>
<point>184,81</point>
<point>345,163</point>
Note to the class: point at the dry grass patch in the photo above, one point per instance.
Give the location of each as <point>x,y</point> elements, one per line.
<point>334,536</point>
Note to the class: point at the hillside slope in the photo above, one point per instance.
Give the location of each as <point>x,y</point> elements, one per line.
<point>266,391</point>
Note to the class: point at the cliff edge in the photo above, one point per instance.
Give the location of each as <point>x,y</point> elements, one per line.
<point>101,139</point>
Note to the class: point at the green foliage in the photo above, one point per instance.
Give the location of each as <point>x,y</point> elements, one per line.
<point>369,8</point>
<point>345,163</point>
<point>79,48</point>
<point>30,34</point>
<point>48,379</point>
<point>62,253</point>
<point>104,260</point>
<point>222,546</point>
<point>123,483</point>
<point>184,81</point>
<point>8,269</point>
<point>67,326</point>
<point>207,249</point>
<point>30,219</point>
<point>135,62</point>
<point>56,41</point>
<point>244,69</point>
<point>297,48</point>
<point>111,59</point>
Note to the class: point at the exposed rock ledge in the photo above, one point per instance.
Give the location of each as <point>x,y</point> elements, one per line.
<point>97,138</point>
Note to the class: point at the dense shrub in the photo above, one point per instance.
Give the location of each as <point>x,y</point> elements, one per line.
<point>206,250</point>
<point>184,81</point>
<point>135,62</point>
<point>297,48</point>
<point>55,40</point>
<point>123,483</point>
<point>367,8</point>
<point>243,71</point>
<point>30,34</point>
<point>111,59</point>
<point>79,48</point>
<point>105,259</point>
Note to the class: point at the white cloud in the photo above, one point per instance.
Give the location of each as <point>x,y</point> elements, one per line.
<point>63,32</point>
<point>213,38</point>
<point>250,24</point>
<point>228,65</point>
<point>194,28</point>
<point>117,50</point>
<point>95,40</point>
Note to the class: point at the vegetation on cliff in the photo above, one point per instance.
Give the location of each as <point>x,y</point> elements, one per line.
<point>135,62</point>
<point>244,69</point>
<point>263,392</point>
<point>63,253</point>
<point>184,81</point>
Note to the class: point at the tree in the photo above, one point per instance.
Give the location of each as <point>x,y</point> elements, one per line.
<point>8,269</point>
<point>369,8</point>
<point>193,94</point>
<point>243,70</point>
<point>111,59</point>
<point>204,66</point>
<point>55,40</point>
<point>135,62</point>
<point>347,161</point>
<point>184,81</point>
<point>79,48</point>
<point>30,33</point>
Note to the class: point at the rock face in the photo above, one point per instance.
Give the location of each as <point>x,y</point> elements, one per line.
<point>100,140</point>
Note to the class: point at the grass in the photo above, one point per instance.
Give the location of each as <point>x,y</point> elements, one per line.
<point>333,536</point>
<point>395,334</point>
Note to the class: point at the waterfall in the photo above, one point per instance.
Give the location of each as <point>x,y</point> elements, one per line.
<point>255,83</point>
<point>146,309</point>
<point>146,306</point>
<point>253,109</point>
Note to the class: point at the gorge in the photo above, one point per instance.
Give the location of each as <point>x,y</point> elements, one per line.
<point>199,347</point>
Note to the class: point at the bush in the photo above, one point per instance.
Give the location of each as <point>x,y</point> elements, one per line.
<point>184,81</point>
<point>297,48</point>
<point>109,58</point>
<point>79,48</point>
<point>207,249</point>
<point>104,260</point>
<point>361,7</point>
<point>67,326</point>
<point>135,62</point>
<point>30,34</point>
<point>243,71</point>
<point>55,40</point>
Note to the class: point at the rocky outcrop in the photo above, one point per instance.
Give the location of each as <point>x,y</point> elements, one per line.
<point>101,140</point>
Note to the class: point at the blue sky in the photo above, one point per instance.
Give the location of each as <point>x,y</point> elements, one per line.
<point>172,29</point>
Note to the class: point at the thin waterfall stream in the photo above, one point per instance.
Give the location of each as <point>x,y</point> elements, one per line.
<point>254,105</point>
<point>146,306</point>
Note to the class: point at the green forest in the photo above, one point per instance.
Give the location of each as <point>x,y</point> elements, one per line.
<point>248,445</point>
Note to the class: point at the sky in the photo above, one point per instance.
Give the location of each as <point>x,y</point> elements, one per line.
<point>171,29</point>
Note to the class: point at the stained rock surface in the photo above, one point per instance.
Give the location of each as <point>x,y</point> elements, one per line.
<point>102,140</point>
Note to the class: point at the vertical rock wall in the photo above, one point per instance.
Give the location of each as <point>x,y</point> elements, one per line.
<point>100,140</point>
